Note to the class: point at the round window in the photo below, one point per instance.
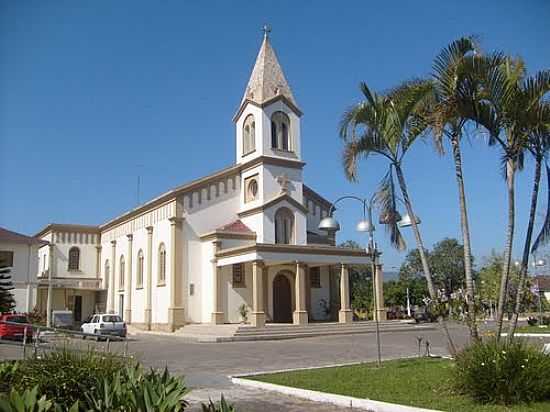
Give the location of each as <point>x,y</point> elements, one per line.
<point>252,189</point>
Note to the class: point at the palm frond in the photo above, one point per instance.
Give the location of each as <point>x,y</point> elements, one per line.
<point>386,201</point>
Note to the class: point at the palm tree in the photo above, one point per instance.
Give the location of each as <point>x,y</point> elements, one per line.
<point>388,125</point>
<point>496,108</point>
<point>452,91</point>
<point>535,118</point>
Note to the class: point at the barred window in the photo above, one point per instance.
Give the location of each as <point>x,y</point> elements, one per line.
<point>315,277</point>
<point>162,265</point>
<point>139,281</point>
<point>74,258</point>
<point>122,273</point>
<point>238,275</point>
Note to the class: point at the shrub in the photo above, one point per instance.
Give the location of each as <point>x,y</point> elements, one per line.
<point>8,370</point>
<point>63,375</point>
<point>28,401</point>
<point>503,372</point>
<point>223,406</point>
<point>132,390</point>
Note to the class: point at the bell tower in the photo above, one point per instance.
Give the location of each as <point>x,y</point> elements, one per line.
<point>268,120</point>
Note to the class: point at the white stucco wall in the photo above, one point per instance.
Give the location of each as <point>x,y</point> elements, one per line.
<point>23,274</point>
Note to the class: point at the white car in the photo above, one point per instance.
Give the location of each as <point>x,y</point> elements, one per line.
<point>105,324</point>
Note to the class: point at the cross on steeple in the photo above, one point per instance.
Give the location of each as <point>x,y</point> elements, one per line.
<point>266,29</point>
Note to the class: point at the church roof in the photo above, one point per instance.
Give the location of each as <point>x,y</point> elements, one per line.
<point>236,227</point>
<point>267,81</point>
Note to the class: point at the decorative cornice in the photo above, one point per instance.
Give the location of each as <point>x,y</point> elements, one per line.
<point>302,249</point>
<point>227,235</point>
<point>274,201</point>
<point>65,227</point>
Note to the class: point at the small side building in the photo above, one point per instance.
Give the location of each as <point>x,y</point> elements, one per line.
<point>20,253</point>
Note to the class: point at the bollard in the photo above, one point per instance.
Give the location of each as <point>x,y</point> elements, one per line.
<point>428,348</point>
<point>107,346</point>
<point>25,343</point>
<point>36,339</point>
<point>419,339</point>
<point>125,347</point>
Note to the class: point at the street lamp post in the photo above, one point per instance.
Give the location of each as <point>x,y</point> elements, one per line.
<point>539,263</point>
<point>331,225</point>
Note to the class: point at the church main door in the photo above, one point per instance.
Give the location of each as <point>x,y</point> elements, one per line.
<point>282,300</point>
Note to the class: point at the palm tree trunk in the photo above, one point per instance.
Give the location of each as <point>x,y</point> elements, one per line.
<point>526,248</point>
<point>504,279</point>
<point>422,252</point>
<point>470,297</point>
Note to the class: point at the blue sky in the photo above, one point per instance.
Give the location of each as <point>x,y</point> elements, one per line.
<point>93,94</point>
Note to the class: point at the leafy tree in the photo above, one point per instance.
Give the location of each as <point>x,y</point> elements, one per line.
<point>446,262</point>
<point>388,125</point>
<point>489,282</point>
<point>7,302</point>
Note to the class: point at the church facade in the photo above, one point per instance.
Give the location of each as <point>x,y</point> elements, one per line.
<point>244,240</point>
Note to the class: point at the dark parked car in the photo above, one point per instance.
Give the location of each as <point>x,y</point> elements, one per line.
<point>420,317</point>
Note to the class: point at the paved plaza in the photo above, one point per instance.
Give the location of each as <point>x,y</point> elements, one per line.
<point>207,366</point>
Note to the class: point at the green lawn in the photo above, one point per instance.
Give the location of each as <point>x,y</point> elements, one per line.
<point>533,329</point>
<point>415,382</point>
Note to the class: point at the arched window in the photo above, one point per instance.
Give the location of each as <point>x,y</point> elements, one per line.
<point>284,226</point>
<point>121,273</point>
<point>249,135</point>
<point>139,281</point>
<point>162,265</point>
<point>74,258</point>
<point>280,131</point>
<point>106,273</point>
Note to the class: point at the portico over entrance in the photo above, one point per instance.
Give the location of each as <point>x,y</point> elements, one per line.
<point>286,283</point>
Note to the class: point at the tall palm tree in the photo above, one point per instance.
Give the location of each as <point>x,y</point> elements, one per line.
<point>388,125</point>
<point>497,110</point>
<point>452,91</point>
<point>535,119</point>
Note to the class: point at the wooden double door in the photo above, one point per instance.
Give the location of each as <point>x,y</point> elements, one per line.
<point>282,299</point>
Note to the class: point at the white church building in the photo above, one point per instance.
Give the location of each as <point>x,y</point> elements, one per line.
<point>245,235</point>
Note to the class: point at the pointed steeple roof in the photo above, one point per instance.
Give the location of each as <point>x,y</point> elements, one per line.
<point>267,81</point>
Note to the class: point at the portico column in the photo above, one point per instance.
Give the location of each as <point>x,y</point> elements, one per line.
<point>51,250</point>
<point>217,313</point>
<point>128,283</point>
<point>175,310</point>
<point>111,289</point>
<point>258,314</point>
<point>98,261</point>
<point>149,279</point>
<point>345,315</point>
<point>379,289</point>
<point>300,315</point>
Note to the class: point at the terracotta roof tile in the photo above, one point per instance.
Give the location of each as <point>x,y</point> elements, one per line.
<point>236,226</point>
<point>14,237</point>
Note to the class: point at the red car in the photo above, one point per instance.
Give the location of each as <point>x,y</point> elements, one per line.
<point>11,331</point>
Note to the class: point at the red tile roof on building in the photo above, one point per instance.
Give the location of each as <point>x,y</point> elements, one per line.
<point>13,237</point>
<point>235,227</point>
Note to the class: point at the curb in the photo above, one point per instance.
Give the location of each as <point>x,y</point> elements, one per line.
<point>338,400</point>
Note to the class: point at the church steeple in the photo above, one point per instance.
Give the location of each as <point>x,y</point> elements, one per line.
<point>267,81</point>
<point>268,120</point>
